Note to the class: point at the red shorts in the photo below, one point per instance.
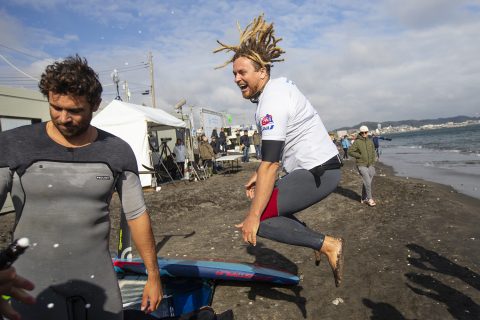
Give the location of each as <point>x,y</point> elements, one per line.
<point>271,211</point>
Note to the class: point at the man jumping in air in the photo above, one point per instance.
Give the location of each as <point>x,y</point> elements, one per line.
<point>293,133</point>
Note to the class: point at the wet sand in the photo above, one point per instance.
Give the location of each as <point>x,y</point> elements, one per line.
<point>416,255</point>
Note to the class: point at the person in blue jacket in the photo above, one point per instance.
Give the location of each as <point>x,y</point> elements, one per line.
<point>345,145</point>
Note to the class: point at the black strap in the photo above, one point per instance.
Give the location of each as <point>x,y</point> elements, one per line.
<point>331,164</point>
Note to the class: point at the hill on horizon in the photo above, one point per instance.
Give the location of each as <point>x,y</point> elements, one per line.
<point>413,123</point>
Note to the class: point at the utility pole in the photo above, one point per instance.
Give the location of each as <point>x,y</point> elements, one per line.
<point>152,81</point>
<point>116,80</point>
<point>127,91</point>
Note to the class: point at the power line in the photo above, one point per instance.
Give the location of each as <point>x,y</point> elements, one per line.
<point>19,51</point>
<point>16,68</point>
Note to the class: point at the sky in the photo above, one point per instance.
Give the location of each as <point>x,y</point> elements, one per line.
<point>354,60</point>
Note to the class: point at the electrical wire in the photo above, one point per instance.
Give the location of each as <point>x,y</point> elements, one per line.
<point>16,68</point>
<point>19,51</point>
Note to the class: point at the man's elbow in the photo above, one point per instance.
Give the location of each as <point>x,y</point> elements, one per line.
<point>138,216</point>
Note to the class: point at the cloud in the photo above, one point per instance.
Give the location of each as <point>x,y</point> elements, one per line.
<point>355,61</point>
<point>429,13</point>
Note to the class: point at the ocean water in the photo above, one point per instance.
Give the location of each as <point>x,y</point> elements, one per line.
<point>449,156</point>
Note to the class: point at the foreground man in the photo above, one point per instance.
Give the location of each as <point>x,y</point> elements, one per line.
<point>61,175</point>
<point>293,133</point>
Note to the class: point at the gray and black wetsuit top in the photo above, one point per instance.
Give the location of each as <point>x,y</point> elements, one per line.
<point>61,198</point>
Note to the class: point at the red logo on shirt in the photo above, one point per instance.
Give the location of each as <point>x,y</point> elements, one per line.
<point>267,122</point>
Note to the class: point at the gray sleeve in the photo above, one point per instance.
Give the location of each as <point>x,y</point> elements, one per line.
<point>130,192</point>
<point>5,184</point>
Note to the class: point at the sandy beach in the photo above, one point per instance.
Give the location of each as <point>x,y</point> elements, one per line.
<point>416,255</point>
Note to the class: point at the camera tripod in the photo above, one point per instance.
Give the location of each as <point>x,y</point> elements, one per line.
<point>166,162</point>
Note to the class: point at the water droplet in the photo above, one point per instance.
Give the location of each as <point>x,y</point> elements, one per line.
<point>87,306</point>
<point>50,305</point>
<point>35,244</point>
<point>50,186</point>
<point>56,245</point>
<point>92,276</point>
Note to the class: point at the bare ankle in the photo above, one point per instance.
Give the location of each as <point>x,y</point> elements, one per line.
<point>330,245</point>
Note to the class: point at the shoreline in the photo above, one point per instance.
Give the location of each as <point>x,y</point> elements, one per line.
<point>458,170</point>
<point>471,200</point>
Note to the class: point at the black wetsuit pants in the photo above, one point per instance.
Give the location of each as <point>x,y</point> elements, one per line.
<point>294,192</point>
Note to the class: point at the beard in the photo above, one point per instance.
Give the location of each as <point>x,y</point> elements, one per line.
<point>69,130</point>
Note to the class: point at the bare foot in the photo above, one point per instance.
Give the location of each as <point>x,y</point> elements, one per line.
<point>333,248</point>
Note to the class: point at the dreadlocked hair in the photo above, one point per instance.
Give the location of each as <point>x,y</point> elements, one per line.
<point>257,43</point>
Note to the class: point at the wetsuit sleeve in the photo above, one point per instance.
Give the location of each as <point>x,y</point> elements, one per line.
<point>272,150</point>
<point>5,184</point>
<point>130,192</point>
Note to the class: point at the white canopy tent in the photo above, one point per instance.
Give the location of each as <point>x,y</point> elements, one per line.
<point>132,123</point>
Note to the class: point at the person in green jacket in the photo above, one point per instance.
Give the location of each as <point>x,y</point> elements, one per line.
<point>363,151</point>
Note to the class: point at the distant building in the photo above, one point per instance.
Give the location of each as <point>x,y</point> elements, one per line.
<point>341,133</point>
<point>19,107</point>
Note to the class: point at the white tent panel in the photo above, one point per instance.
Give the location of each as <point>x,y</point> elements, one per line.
<point>130,122</point>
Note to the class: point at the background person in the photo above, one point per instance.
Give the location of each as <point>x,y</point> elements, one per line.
<point>376,144</point>
<point>222,140</point>
<point>206,155</point>
<point>61,175</point>
<point>257,142</point>
<point>363,151</point>
<point>215,145</point>
<point>345,146</point>
<point>179,151</point>
<point>216,150</point>
<point>292,132</point>
<point>245,146</point>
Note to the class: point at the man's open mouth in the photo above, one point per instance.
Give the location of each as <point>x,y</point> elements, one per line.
<point>242,86</point>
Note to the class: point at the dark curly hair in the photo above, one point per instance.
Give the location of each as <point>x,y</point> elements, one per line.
<point>72,76</point>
